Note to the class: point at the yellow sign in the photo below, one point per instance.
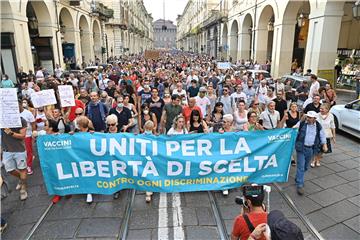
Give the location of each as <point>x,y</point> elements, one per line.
<point>328,74</point>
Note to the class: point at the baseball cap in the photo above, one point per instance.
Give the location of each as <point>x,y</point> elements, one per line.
<point>311,114</point>
<point>282,228</point>
<point>202,89</point>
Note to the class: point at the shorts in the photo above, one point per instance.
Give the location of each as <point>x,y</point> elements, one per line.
<point>14,160</point>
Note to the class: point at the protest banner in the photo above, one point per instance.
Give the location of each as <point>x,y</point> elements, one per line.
<point>223,65</point>
<point>66,95</point>
<point>105,163</point>
<point>152,54</point>
<point>43,98</point>
<point>9,108</point>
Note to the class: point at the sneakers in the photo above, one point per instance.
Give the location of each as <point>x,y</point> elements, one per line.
<point>18,186</point>
<point>2,229</point>
<point>317,164</point>
<point>89,198</point>
<point>225,192</point>
<point>29,171</point>
<point>300,191</point>
<point>23,195</point>
<point>312,164</point>
<point>293,163</point>
<point>116,195</point>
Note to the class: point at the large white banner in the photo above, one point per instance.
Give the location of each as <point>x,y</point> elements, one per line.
<point>223,65</point>
<point>66,95</point>
<point>9,108</point>
<point>43,98</point>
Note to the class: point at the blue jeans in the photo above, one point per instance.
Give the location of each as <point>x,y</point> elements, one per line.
<point>303,162</point>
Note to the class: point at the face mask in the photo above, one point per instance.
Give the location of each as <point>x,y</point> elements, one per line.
<point>146,111</point>
<point>4,79</point>
<point>24,105</point>
<point>120,105</point>
<point>147,132</point>
<point>146,86</point>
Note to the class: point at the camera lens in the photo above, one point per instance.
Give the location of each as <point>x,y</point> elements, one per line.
<point>239,200</point>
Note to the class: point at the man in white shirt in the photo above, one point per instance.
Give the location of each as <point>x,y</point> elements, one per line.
<point>270,117</point>
<point>315,85</point>
<point>239,95</point>
<point>74,81</point>
<point>261,91</point>
<point>278,86</point>
<point>58,71</point>
<point>27,91</point>
<point>203,102</point>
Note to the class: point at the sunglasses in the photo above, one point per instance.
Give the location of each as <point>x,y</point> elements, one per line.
<point>112,124</point>
<point>256,104</point>
<point>78,114</point>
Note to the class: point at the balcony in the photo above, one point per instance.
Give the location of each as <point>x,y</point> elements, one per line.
<point>215,16</point>
<point>102,11</point>
<point>123,24</point>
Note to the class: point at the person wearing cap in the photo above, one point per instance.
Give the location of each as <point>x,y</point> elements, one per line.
<point>280,228</point>
<point>203,102</point>
<point>253,214</point>
<point>311,137</point>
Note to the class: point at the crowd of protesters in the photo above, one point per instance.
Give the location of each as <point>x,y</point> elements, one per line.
<point>178,93</point>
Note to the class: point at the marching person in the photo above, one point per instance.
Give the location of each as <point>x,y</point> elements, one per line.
<point>14,154</point>
<point>311,137</point>
<point>112,123</point>
<point>326,119</point>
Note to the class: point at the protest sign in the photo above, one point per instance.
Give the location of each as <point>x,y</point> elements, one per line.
<point>105,163</point>
<point>66,95</point>
<point>43,98</point>
<point>9,108</point>
<point>223,65</point>
<point>152,54</point>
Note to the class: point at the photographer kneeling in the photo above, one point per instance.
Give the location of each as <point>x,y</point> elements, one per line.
<point>253,214</point>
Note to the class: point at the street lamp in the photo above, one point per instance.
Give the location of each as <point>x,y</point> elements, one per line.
<point>301,20</point>
<point>33,23</point>
<point>271,24</point>
<point>356,10</point>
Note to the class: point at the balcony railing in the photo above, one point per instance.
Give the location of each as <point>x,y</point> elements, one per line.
<point>123,24</point>
<point>215,16</point>
<point>74,2</point>
<point>103,11</point>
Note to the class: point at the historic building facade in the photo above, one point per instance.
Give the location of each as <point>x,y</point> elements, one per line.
<point>70,32</point>
<point>164,34</point>
<point>279,30</point>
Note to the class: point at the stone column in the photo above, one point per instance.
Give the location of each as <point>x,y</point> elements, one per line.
<point>283,45</point>
<point>261,38</point>
<point>323,37</point>
<point>244,46</point>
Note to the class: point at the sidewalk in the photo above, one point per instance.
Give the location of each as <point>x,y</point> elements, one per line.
<point>332,191</point>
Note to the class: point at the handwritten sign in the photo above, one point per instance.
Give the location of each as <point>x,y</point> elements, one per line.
<point>43,98</point>
<point>223,65</point>
<point>66,94</point>
<point>9,108</point>
<point>151,54</point>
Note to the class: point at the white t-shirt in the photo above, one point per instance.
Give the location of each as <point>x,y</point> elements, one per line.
<point>202,103</point>
<point>74,82</point>
<point>172,131</point>
<point>268,117</point>
<point>27,92</point>
<point>103,83</point>
<point>239,96</point>
<point>29,117</point>
<point>314,88</point>
<point>327,122</point>
<point>261,92</point>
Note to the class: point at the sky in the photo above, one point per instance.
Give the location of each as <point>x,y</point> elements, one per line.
<point>172,8</point>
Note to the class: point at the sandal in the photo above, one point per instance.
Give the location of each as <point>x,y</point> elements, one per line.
<point>312,164</point>
<point>317,164</point>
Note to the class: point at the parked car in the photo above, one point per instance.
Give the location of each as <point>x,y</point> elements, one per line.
<point>347,117</point>
<point>296,81</point>
<point>254,73</point>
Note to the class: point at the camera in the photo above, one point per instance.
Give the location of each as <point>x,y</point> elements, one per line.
<point>249,191</point>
